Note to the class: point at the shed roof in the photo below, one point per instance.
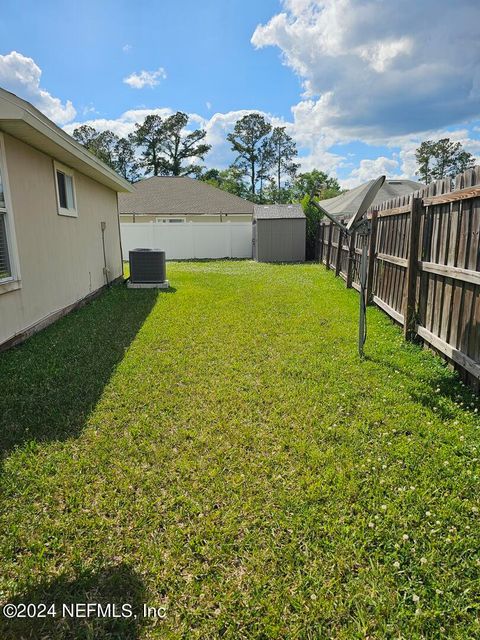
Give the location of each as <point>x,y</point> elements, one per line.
<point>277,211</point>
<point>346,205</point>
<point>162,195</point>
<point>22,120</point>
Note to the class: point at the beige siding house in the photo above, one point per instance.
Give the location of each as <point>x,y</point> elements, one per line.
<point>59,223</point>
<point>167,199</point>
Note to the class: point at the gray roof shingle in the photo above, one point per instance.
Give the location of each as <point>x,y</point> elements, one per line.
<point>346,205</point>
<point>276,211</point>
<point>162,195</point>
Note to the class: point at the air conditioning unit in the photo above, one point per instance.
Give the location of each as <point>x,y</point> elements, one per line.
<point>147,269</point>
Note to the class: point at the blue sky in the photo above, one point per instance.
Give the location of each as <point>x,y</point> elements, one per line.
<point>358,83</point>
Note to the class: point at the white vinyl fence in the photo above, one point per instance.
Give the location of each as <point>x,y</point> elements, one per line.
<point>190,239</point>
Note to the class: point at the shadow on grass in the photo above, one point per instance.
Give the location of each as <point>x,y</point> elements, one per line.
<point>52,382</point>
<point>430,388</point>
<point>118,585</point>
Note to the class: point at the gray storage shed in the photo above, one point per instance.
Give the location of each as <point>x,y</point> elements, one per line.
<point>279,233</point>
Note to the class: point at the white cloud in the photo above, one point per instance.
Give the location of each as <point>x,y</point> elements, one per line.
<point>370,169</point>
<point>145,78</point>
<point>127,48</point>
<point>378,69</point>
<point>21,75</point>
<point>380,55</point>
<point>124,124</point>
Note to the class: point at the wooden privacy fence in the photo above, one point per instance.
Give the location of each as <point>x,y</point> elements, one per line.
<point>423,265</point>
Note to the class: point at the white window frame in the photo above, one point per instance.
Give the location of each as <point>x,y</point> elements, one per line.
<point>13,281</point>
<point>62,211</point>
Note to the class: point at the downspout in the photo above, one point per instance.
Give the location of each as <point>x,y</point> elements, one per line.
<point>120,240</point>
<point>103,226</point>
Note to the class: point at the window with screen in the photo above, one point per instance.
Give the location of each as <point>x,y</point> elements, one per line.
<point>65,191</point>
<point>5,266</point>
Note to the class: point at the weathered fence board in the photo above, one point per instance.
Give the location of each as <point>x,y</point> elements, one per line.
<point>423,265</point>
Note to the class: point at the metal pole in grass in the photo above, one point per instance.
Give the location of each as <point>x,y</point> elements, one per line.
<point>362,227</point>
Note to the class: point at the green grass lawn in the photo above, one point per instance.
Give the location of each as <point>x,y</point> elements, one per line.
<point>220,450</point>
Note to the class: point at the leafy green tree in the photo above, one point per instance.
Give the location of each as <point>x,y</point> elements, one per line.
<point>265,163</point>
<point>148,137</point>
<point>247,140</point>
<point>165,146</point>
<point>283,151</point>
<point>315,182</point>
<point>117,153</point>
<point>178,146</point>
<point>126,162</point>
<point>321,186</point>
<point>441,159</point>
<point>101,144</point>
<point>86,136</point>
<point>230,180</point>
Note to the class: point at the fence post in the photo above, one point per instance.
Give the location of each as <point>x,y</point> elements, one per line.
<point>321,233</point>
<point>351,258</point>
<point>372,243</point>
<point>329,246</point>
<point>338,261</point>
<point>409,297</point>
<point>317,243</point>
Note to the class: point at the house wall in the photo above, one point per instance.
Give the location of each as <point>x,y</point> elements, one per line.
<point>237,217</point>
<point>280,240</point>
<point>60,258</point>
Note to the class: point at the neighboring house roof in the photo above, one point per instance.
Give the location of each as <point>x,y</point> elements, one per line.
<point>23,121</point>
<point>277,211</point>
<point>346,205</point>
<point>163,195</point>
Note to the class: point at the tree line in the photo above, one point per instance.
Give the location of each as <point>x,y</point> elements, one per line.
<point>264,169</point>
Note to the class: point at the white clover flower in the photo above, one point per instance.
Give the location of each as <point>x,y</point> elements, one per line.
<point>415,598</point>
<point>383,507</point>
<point>428,513</point>
<point>423,561</point>
<point>371,525</point>
<point>396,565</point>
<point>405,537</point>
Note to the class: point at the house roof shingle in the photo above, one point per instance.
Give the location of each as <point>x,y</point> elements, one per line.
<point>346,205</point>
<point>163,195</point>
<point>277,211</point>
